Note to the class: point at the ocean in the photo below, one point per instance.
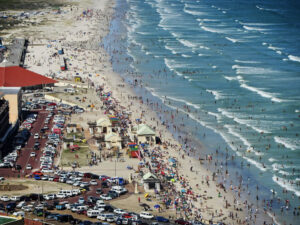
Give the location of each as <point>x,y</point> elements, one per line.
<point>231,69</point>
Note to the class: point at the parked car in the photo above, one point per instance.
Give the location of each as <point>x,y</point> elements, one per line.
<point>5,198</point>
<point>146,215</point>
<point>93,182</point>
<point>162,219</point>
<point>15,198</point>
<point>99,191</point>
<point>182,222</point>
<point>120,211</point>
<point>105,197</point>
<point>21,204</point>
<point>11,206</point>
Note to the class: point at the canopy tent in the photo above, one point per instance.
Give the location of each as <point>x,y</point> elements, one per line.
<point>143,129</point>
<point>103,122</point>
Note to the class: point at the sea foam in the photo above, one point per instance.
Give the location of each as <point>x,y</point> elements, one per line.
<point>294,58</point>
<point>288,142</point>
<point>286,184</point>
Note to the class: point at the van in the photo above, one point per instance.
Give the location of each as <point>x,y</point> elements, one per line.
<point>69,193</point>
<point>82,207</point>
<point>75,191</point>
<point>92,213</point>
<point>15,198</point>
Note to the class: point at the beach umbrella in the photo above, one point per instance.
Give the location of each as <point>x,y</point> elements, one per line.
<point>183,190</point>
<point>146,195</point>
<point>156,206</point>
<point>172,160</point>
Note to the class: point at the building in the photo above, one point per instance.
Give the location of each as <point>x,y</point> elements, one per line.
<point>151,182</point>
<point>5,127</point>
<point>113,140</point>
<point>145,134</point>
<point>104,125</point>
<point>14,97</point>
<point>12,79</point>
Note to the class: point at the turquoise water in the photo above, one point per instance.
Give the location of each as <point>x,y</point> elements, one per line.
<point>231,69</point>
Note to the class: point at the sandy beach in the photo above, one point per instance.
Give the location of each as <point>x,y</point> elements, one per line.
<point>80,34</point>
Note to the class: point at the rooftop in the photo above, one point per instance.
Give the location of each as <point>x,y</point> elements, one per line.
<point>15,76</point>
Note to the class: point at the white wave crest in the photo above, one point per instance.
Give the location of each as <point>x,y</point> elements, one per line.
<point>242,61</point>
<point>183,101</point>
<point>239,136</point>
<point>286,185</point>
<point>261,93</point>
<point>256,164</point>
<point>230,78</point>
<point>254,28</point>
<point>288,142</point>
<point>248,123</point>
<point>272,160</point>
<point>171,49</point>
<point>213,30</point>
<point>216,115</point>
<point>252,70</point>
<point>187,43</point>
<point>232,40</point>
<point>217,94</point>
<point>194,13</point>
<point>294,58</point>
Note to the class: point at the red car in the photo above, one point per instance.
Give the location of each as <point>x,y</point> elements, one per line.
<point>56,179</point>
<point>127,215</point>
<point>182,222</point>
<point>39,173</point>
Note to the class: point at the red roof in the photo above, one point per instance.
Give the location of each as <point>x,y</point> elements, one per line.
<point>15,76</point>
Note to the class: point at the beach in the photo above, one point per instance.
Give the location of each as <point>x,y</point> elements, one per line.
<point>80,29</point>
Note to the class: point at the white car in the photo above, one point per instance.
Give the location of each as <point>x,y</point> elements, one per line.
<point>2,178</point>
<point>28,167</point>
<point>83,184</point>
<point>5,198</point>
<point>146,215</point>
<point>61,195</point>
<point>119,189</point>
<point>36,136</point>
<point>109,217</point>
<point>100,204</point>
<point>19,213</point>
<point>45,170</point>
<point>32,154</point>
<point>70,182</point>
<point>119,211</point>
<point>105,197</point>
<point>15,198</point>
<point>21,204</point>
<point>93,182</point>
<point>77,183</point>
<point>45,177</point>
<point>27,208</point>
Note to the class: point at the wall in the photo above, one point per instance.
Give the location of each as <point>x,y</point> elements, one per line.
<point>14,106</point>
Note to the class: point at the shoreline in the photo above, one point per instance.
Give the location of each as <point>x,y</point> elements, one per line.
<point>126,93</point>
